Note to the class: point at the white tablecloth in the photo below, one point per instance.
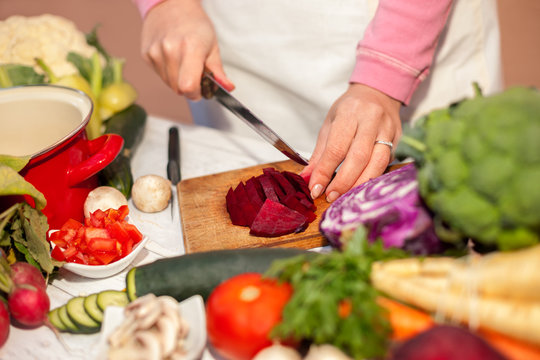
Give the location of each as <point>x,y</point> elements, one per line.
<point>203,151</point>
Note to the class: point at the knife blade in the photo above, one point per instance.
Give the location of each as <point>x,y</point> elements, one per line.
<point>173,164</point>
<point>210,88</point>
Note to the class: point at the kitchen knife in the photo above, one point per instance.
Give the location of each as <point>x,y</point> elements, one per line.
<point>173,165</point>
<point>210,88</point>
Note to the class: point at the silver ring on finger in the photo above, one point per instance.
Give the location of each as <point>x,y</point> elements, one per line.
<point>387,143</point>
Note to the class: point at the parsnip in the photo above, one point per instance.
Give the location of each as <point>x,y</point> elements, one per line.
<point>500,291</point>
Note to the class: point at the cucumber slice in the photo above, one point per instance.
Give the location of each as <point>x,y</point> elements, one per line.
<point>130,284</point>
<point>66,320</point>
<point>91,307</point>
<point>111,298</point>
<point>79,316</point>
<point>54,318</point>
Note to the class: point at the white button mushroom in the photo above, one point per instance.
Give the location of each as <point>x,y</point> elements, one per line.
<point>151,193</point>
<point>103,198</point>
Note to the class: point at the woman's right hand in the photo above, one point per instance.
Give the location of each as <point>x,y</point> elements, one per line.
<point>179,41</point>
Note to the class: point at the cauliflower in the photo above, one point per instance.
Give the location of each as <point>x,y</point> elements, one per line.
<point>480,168</point>
<point>49,37</point>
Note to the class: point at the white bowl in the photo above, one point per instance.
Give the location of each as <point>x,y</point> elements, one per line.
<point>192,310</point>
<point>102,271</point>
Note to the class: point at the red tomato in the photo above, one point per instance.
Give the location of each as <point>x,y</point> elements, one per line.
<point>241,312</point>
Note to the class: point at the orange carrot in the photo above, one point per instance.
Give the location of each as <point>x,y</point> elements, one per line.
<point>512,348</point>
<point>406,321</point>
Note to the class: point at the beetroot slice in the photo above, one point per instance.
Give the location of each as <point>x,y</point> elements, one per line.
<point>255,193</point>
<point>235,211</point>
<point>298,182</point>
<point>242,199</point>
<point>293,203</point>
<point>306,201</point>
<point>283,182</point>
<point>275,219</point>
<point>268,187</point>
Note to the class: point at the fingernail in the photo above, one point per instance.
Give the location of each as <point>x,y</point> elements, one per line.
<point>332,196</point>
<point>316,191</point>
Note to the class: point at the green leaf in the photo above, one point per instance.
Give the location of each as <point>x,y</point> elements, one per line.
<point>83,64</point>
<point>21,75</point>
<point>35,229</point>
<point>17,163</point>
<point>12,183</point>
<point>322,283</point>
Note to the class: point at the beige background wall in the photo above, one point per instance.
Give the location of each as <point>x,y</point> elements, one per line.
<point>121,26</point>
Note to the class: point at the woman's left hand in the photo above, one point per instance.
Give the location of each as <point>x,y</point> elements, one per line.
<point>361,116</point>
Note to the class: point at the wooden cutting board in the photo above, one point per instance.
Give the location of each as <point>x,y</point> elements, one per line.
<point>206,224</point>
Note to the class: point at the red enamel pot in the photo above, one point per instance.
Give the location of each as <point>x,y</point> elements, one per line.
<point>48,124</point>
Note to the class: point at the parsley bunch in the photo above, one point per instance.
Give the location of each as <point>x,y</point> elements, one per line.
<point>333,301</point>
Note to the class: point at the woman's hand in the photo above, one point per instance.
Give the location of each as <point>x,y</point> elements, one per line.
<point>179,41</point>
<point>355,121</point>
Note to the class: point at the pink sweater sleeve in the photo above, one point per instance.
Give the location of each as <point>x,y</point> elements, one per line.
<point>398,46</point>
<point>145,5</point>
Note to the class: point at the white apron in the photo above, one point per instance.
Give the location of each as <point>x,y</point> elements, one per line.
<point>290,60</point>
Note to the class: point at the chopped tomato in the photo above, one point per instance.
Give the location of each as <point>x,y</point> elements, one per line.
<point>133,232</point>
<point>104,257</point>
<point>70,252</point>
<point>57,254</point>
<point>127,246</point>
<point>103,238</point>
<point>118,231</point>
<point>95,232</point>
<point>102,244</point>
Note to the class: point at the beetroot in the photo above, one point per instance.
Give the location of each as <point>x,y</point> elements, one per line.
<point>445,342</point>
<point>275,219</point>
<point>25,273</point>
<point>4,323</point>
<point>29,305</point>
<point>272,204</point>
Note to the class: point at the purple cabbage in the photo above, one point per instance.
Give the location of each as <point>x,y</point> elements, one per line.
<point>390,208</point>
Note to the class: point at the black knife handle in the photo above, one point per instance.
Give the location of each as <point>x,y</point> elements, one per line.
<point>173,166</point>
<point>208,87</point>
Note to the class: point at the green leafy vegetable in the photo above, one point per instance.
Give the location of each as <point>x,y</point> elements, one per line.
<point>333,300</point>
<point>11,183</point>
<point>23,229</point>
<point>15,75</point>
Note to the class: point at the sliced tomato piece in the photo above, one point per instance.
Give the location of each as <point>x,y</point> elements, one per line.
<point>57,254</point>
<point>96,218</point>
<point>95,232</point>
<point>104,257</point>
<point>102,244</point>
<point>117,230</point>
<point>123,211</point>
<point>127,247</point>
<point>70,252</point>
<point>72,224</point>
<point>133,232</point>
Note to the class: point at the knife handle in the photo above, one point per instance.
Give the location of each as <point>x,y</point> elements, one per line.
<point>208,87</point>
<point>173,166</point>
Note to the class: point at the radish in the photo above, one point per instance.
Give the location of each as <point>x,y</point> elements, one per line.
<point>4,322</point>
<point>25,273</point>
<point>29,305</point>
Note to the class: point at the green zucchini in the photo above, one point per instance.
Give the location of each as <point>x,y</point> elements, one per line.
<point>111,298</point>
<point>199,273</point>
<point>55,321</point>
<point>129,124</point>
<point>92,308</point>
<point>79,316</point>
